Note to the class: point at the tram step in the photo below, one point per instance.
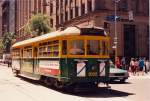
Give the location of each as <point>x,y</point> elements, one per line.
<point>33,78</point>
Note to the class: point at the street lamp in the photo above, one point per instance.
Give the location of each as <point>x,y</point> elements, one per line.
<point>115,37</point>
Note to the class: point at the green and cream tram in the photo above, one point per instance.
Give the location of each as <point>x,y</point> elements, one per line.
<point>73,56</point>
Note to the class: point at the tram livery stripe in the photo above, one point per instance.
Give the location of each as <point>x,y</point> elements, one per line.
<point>50,71</point>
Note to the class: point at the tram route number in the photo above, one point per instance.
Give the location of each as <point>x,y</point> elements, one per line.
<point>92,74</point>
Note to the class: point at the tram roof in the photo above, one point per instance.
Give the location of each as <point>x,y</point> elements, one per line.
<point>67,31</point>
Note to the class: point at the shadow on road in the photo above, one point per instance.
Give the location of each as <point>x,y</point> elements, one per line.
<point>103,93</point>
<point>118,82</point>
<point>96,93</point>
<point>35,82</point>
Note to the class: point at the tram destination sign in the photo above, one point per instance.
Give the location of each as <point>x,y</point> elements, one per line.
<point>92,31</point>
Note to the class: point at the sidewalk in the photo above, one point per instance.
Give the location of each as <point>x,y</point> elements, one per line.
<point>4,64</point>
<point>139,76</point>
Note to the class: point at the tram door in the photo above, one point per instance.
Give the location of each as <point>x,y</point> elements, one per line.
<point>35,61</point>
<point>129,40</point>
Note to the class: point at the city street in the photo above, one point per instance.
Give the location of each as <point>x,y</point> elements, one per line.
<point>72,43</point>
<point>19,89</point>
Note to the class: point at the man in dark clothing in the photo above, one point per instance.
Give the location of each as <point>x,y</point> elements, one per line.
<point>123,63</point>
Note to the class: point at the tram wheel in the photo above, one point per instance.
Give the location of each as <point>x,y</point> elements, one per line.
<point>48,81</point>
<point>15,72</point>
<point>59,84</point>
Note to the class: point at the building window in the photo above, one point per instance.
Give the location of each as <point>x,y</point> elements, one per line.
<point>147,8</point>
<point>57,5</point>
<point>57,20</point>
<point>51,22</point>
<point>82,8</point>
<point>39,6</point>
<point>61,18</point>
<point>89,5</point>
<point>71,13</point>
<point>99,4</point>
<point>66,2</point>
<point>51,8</point>
<point>123,5</point>
<point>35,6</point>
<point>148,40</point>
<point>66,16</point>
<point>136,9</point>
<point>76,11</point>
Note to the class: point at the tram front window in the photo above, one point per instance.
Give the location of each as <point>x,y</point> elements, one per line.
<point>93,47</point>
<point>77,47</point>
<point>64,47</point>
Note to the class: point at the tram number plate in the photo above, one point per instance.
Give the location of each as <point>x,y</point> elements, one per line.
<point>92,74</point>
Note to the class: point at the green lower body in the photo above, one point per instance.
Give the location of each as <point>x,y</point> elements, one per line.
<point>72,70</point>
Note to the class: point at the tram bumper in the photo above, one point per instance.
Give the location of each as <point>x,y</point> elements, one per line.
<point>88,79</point>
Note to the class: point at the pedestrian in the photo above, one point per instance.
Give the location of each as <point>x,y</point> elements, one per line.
<point>146,66</point>
<point>132,66</point>
<point>9,61</point>
<point>141,65</point>
<point>117,62</point>
<point>136,64</point>
<point>123,63</point>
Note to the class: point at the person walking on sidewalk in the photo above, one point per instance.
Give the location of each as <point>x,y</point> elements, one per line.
<point>148,65</point>
<point>123,63</point>
<point>141,65</point>
<point>132,66</point>
<point>117,62</point>
<point>136,63</point>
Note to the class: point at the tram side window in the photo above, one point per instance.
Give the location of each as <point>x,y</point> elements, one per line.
<point>107,48</point>
<point>27,53</point>
<point>104,47</point>
<point>49,49</point>
<point>100,47</point>
<point>93,47</point>
<point>76,47</point>
<point>16,53</point>
<point>55,51</point>
<point>64,47</point>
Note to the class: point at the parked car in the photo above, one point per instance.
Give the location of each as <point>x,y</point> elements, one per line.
<point>118,74</point>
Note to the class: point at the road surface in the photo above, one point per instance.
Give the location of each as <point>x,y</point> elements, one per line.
<point>20,89</point>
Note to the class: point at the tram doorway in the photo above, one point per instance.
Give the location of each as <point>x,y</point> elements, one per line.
<point>129,41</point>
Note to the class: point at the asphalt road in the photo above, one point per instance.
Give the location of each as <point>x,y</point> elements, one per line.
<point>20,89</point>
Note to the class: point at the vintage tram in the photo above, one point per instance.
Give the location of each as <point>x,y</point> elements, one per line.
<point>73,56</point>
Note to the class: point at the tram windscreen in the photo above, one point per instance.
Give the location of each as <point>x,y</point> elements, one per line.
<point>93,31</point>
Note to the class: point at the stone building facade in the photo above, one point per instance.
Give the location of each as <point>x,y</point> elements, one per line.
<point>132,26</point>
<point>7,20</point>
<point>7,16</point>
<point>0,19</point>
<point>24,10</point>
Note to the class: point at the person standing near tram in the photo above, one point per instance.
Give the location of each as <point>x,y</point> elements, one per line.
<point>141,65</point>
<point>123,63</point>
<point>132,66</point>
<point>117,62</point>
